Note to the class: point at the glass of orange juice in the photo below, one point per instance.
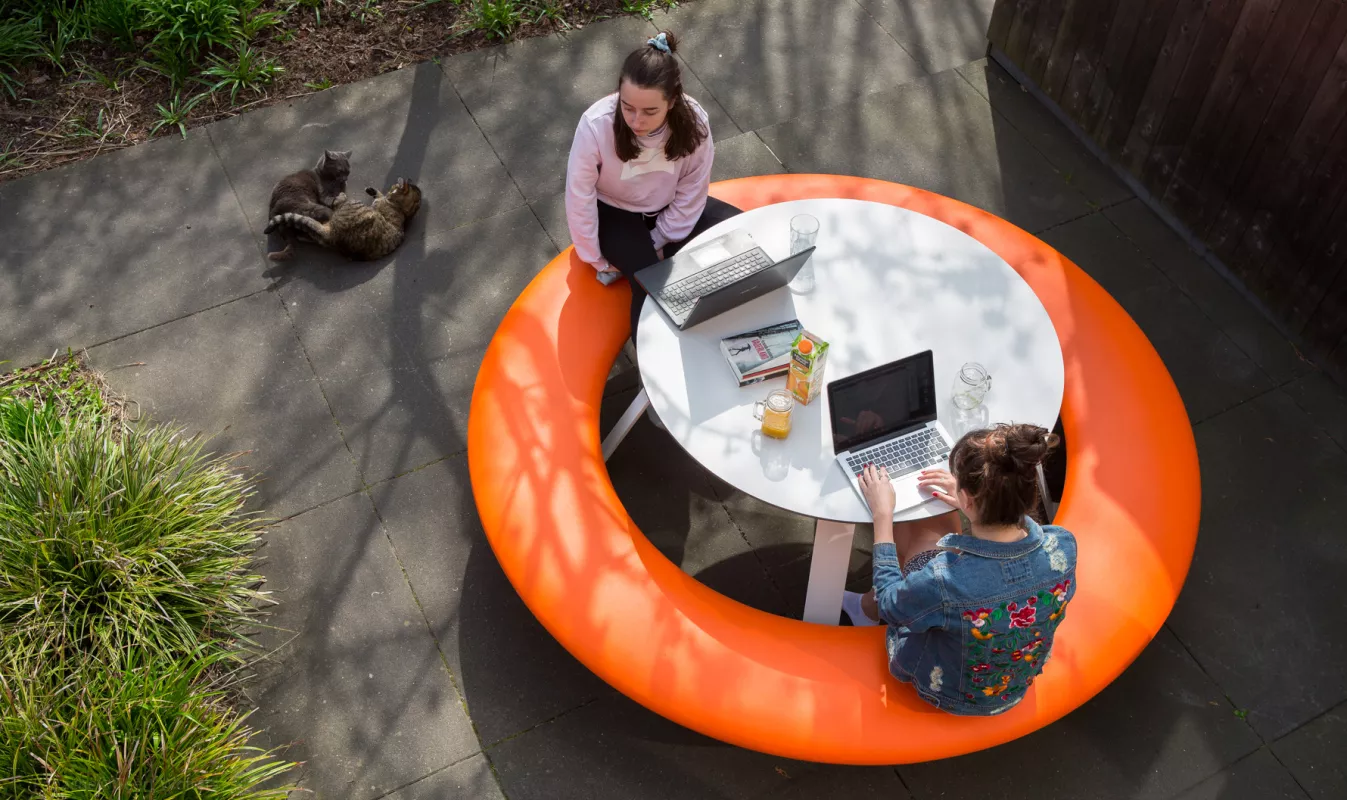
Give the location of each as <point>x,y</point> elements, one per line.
<point>775,413</point>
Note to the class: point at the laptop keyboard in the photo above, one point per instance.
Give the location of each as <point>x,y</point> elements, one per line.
<point>679,297</point>
<point>905,454</point>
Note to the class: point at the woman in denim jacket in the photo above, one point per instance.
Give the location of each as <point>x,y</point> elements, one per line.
<point>971,618</point>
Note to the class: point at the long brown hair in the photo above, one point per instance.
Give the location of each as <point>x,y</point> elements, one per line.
<point>652,68</point>
<point>999,468</point>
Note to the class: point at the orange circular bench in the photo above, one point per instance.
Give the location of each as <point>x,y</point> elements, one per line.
<point>784,686</point>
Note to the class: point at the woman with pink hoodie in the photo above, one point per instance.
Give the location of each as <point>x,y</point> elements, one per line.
<point>640,165</point>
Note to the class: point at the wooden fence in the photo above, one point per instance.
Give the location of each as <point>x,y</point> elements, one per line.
<point>1231,113</point>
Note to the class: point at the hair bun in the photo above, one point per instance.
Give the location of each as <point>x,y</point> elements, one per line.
<point>1028,445</point>
<point>671,40</point>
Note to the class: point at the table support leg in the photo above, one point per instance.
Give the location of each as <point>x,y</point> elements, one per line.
<point>624,425</point>
<point>828,571</point>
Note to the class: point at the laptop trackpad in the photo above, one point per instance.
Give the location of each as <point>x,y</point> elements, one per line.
<point>710,255</point>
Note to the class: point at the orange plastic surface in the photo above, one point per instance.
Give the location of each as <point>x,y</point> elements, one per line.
<point>783,686</point>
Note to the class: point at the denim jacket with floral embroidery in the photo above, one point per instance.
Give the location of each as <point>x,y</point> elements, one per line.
<point>972,628</point>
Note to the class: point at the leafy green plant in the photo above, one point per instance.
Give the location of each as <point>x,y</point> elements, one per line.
<point>319,85</point>
<point>315,5</point>
<point>248,69</point>
<point>496,18</point>
<point>363,10</point>
<point>68,26</point>
<point>94,77</point>
<point>647,8</point>
<point>20,42</point>
<point>118,20</point>
<point>193,26</point>
<point>9,159</point>
<point>252,22</point>
<point>116,537</point>
<point>135,725</point>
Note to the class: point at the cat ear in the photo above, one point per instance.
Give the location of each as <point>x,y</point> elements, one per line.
<point>322,162</point>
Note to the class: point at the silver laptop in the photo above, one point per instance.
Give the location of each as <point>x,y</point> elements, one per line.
<point>886,416</point>
<point>693,286</point>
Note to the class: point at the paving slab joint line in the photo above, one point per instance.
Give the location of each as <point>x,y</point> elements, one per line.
<point>425,618</point>
<point>486,750</point>
<point>1214,324</point>
<point>1232,764</point>
<point>765,571</point>
<point>120,336</point>
<point>487,139</point>
<point>261,247</point>
<point>1233,705</point>
<point>915,60</point>
<point>775,157</point>
<point>294,329</point>
<point>1341,445</point>
<point>1046,157</point>
<point>434,772</point>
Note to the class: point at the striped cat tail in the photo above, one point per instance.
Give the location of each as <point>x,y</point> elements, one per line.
<point>306,226</point>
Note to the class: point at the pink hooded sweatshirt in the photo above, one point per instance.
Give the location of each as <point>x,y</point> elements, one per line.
<point>645,184</point>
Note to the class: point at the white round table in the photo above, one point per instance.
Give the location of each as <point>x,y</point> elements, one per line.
<point>889,283</point>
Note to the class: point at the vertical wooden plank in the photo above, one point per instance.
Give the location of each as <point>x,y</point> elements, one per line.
<point>1086,60</point>
<point>1138,72</point>
<point>1290,183</point>
<point>1044,35</point>
<point>1183,193</point>
<point>1180,43</point>
<point>1109,75</point>
<point>1284,39</point>
<point>1003,16</point>
<point>1269,161</point>
<point>1322,261</point>
<point>1326,322</point>
<point>1181,112</point>
<point>1017,43</point>
<point>1079,15</point>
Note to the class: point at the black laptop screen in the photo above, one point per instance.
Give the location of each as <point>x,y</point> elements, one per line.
<point>881,401</point>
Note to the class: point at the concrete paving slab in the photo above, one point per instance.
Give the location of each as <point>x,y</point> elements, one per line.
<point>1160,727</point>
<point>768,61</point>
<point>511,673</point>
<point>117,244</point>
<point>939,34</point>
<point>936,133</point>
<point>238,374</point>
<point>1095,179</point>
<point>614,748</point>
<point>527,96</point>
<point>404,124</point>
<point>1257,777</point>
<point>1325,401</point>
<point>353,680</point>
<point>1212,373</point>
<point>1313,753</point>
<point>1270,548</point>
<point>1220,301</point>
<point>396,345</point>
<point>470,779</point>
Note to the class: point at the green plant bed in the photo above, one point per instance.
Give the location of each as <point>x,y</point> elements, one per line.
<point>124,587</point>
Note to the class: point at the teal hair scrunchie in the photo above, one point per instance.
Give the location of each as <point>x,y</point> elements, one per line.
<point>660,42</point>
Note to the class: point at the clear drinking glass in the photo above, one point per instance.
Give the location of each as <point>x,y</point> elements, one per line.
<point>803,235</point>
<point>971,385</point>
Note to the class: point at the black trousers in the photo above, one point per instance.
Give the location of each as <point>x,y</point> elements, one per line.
<point>624,239</point>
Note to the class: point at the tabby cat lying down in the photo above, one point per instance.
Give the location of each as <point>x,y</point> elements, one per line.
<point>359,232</point>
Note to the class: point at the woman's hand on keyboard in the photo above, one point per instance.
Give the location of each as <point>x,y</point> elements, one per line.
<point>877,490</point>
<point>942,486</point>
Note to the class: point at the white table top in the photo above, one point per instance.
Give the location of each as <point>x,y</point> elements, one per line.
<point>889,283</point>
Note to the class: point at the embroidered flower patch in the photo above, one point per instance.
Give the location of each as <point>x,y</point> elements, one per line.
<point>1007,644</point>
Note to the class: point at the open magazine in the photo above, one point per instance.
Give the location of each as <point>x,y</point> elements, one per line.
<point>760,354</point>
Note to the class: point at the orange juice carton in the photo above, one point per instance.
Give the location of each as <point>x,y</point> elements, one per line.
<point>808,356</point>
